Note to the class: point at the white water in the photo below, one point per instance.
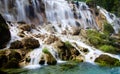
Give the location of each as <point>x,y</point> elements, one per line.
<point>84,16</point>
<point>58,12</point>
<point>112,19</point>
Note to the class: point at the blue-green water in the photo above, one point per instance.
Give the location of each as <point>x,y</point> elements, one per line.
<point>69,68</point>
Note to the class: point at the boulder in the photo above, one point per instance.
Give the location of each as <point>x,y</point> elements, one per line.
<point>30,43</point>
<point>9,58</point>
<point>75,30</point>
<point>16,45</point>
<point>106,60</point>
<point>50,59</point>
<point>47,57</point>
<point>4,33</point>
<point>13,63</point>
<point>14,54</point>
<point>3,60</point>
<point>25,27</point>
<point>67,52</point>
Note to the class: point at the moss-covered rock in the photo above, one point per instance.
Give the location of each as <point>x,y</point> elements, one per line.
<point>14,54</point>
<point>13,63</point>
<point>48,57</point>
<point>30,43</point>
<point>105,60</point>
<point>16,45</point>
<point>3,60</point>
<point>108,48</point>
<point>4,33</point>
<point>102,41</point>
<point>108,29</point>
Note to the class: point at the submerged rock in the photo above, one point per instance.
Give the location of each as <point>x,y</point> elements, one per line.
<point>4,33</point>
<point>106,60</point>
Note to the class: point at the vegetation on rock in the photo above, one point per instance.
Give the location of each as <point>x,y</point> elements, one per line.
<point>102,41</point>
<point>105,60</point>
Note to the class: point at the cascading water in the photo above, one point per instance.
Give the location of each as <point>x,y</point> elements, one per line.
<point>84,16</point>
<point>112,19</point>
<point>60,16</point>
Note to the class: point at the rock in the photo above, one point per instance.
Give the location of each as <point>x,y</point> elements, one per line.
<point>66,51</point>
<point>4,33</point>
<point>9,59</point>
<point>25,27</point>
<point>28,59</point>
<point>75,30</point>
<point>3,60</point>
<point>14,54</point>
<point>47,57</point>
<point>42,62</point>
<point>13,63</point>
<point>50,59</point>
<point>2,72</point>
<point>106,60</point>
<point>30,43</point>
<point>16,45</point>
<point>51,39</point>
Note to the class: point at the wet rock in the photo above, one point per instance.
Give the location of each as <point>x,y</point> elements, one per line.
<point>75,30</point>
<point>66,51</point>
<point>3,60</point>
<point>4,33</point>
<point>16,45</point>
<point>9,59</point>
<point>13,63</point>
<point>106,60</point>
<point>21,34</point>
<point>30,43</point>
<point>14,54</point>
<point>25,27</point>
<point>28,59</point>
<point>47,57</point>
<point>51,39</point>
<point>85,50</point>
<point>42,62</point>
<point>50,59</point>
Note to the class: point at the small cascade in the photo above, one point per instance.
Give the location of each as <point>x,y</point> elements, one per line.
<point>112,19</point>
<point>14,33</point>
<point>84,16</point>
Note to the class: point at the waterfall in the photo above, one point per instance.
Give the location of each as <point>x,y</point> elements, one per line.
<point>53,14</point>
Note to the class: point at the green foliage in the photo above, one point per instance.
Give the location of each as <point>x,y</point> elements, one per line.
<point>108,29</point>
<point>102,41</point>
<point>105,60</point>
<point>68,44</point>
<point>108,48</point>
<point>45,50</point>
